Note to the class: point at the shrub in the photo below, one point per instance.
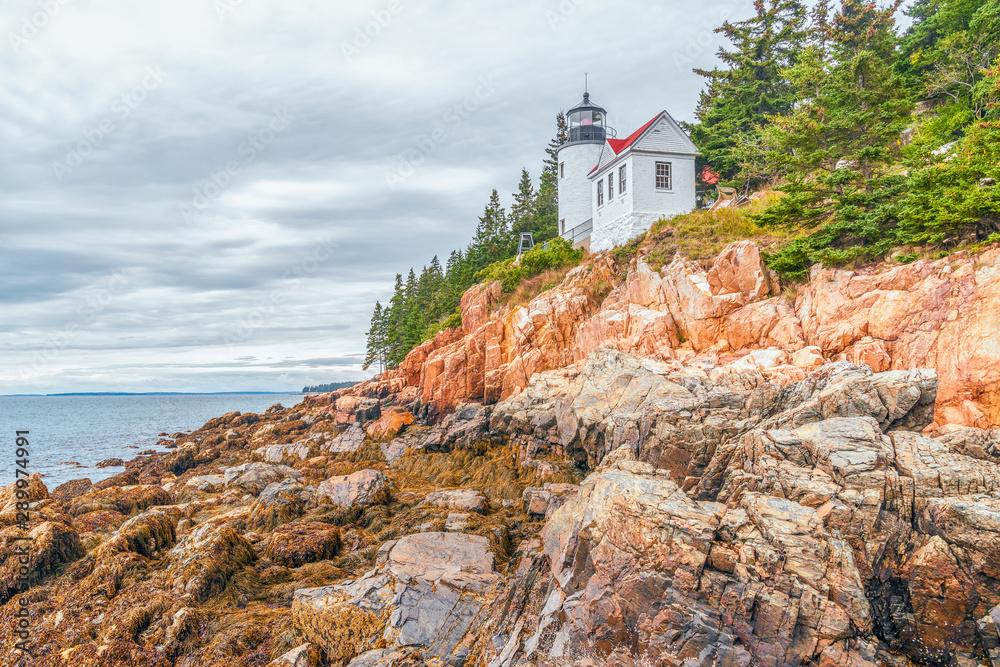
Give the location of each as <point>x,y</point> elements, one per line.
<point>556,254</point>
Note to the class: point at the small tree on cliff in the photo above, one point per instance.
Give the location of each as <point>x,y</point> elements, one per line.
<point>377,350</point>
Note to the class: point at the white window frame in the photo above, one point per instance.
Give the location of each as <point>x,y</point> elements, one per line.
<point>611,185</point>
<point>562,169</point>
<point>669,176</point>
<point>600,193</point>
<point>623,179</point>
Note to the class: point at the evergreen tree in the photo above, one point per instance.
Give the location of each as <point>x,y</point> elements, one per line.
<point>413,325</point>
<point>395,319</point>
<point>494,240</point>
<point>751,86</point>
<point>946,54</point>
<point>522,213</point>
<point>376,352</point>
<point>836,146</point>
<point>546,222</point>
<point>957,198</point>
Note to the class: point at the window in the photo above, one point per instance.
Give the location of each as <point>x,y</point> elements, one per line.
<point>562,226</point>
<point>622,174</point>
<point>562,169</point>
<point>611,185</point>
<point>663,180</point>
<point>600,192</point>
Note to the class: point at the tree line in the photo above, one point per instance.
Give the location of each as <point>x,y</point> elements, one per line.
<point>425,303</point>
<point>878,139</point>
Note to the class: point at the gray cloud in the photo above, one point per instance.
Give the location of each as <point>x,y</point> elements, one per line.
<point>83,84</point>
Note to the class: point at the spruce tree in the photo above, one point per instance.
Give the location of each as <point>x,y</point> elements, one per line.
<point>546,225</point>
<point>522,212</point>
<point>751,86</point>
<point>395,320</point>
<point>494,240</point>
<point>836,147</point>
<point>375,354</point>
<point>946,55</point>
<point>413,325</point>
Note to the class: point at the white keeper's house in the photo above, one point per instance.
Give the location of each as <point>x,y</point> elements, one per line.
<point>611,190</point>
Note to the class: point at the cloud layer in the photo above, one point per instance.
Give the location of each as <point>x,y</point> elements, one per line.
<point>209,195</point>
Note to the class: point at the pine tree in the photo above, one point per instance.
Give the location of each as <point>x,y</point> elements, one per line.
<point>546,223</point>
<point>946,54</point>
<point>494,240</point>
<point>376,351</point>
<point>522,213</point>
<point>395,320</point>
<point>837,145</point>
<point>413,325</point>
<point>740,97</point>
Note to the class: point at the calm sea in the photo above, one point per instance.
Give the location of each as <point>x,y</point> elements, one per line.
<point>70,434</point>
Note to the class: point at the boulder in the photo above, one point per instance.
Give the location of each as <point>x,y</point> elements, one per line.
<point>207,483</point>
<point>279,502</point>
<point>389,425</point>
<point>124,499</point>
<point>50,545</point>
<point>145,534</point>
<point>368,410</point>
<point>254,477</point>
<point>279,453</point>
<point>542,501</point>
<point>347,442</point>
<point>365,487</point>
<point>306,655</point>
<point>464,500</point>
<point>739,269</point>
<point>457,522</point>
<point>206,559</point>
<point>300,542</point>
<point>425,592</point>
<point>71,489</point>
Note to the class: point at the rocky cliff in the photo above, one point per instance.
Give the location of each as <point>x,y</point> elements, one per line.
<point>928,314</point>
<point>678,467</point>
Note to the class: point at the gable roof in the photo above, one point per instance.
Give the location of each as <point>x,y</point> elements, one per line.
<point>619,146</point>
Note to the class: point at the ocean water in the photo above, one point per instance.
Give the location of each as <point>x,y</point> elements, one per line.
<point>70,434</point>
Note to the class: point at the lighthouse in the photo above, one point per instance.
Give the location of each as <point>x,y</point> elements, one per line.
<point>588,131</point>
<point>612,190</point>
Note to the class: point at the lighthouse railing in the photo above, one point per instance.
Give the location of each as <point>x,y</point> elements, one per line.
<point>580,232</point>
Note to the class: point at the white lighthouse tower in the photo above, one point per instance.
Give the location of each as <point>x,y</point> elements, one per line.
<point>588,132</point>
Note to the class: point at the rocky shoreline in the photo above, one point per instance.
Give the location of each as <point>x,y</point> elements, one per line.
<point>686,470</point>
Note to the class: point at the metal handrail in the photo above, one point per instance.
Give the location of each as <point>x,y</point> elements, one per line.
<point>580,232</point>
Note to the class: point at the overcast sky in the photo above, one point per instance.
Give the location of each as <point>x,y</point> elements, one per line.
<point>210,195</point>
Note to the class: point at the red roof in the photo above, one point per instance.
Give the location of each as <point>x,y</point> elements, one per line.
<point>619,145</point>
